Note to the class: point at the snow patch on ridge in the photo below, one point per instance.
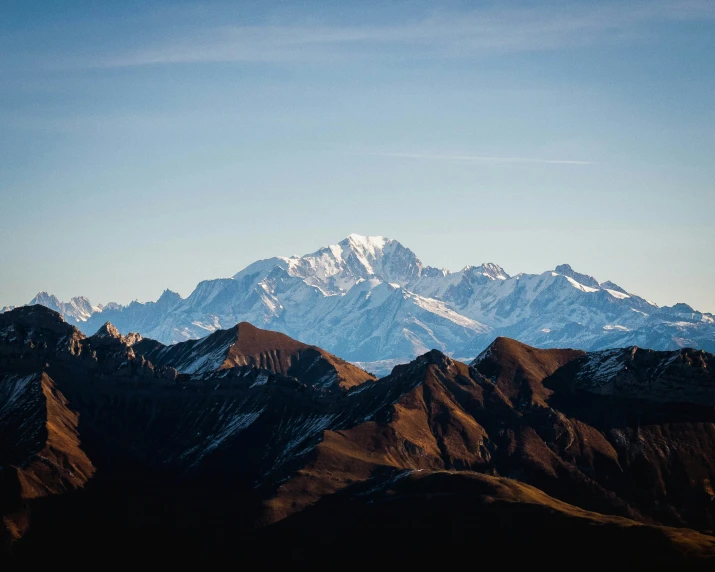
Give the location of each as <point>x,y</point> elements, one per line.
<point>441,309</point>
<point>198,362</point>
<point>302,431</point>
<point>601,367</point>
<point>230,424</point>
<point>617,294</point>
<point>580,286</point>
<point>12,388</point>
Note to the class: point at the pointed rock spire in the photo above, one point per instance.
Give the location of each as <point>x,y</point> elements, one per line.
<point>108,331</point>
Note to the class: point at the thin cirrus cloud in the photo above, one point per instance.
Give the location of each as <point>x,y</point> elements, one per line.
<point>454,35</point>
<point>480,158</point>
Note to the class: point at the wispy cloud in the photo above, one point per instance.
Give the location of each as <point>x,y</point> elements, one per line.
<point>479,158</point>
<point>453,35</point>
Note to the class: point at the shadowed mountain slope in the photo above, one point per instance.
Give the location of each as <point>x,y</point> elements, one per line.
<point>632,457</point>
<point>422,518</point>
<point>235,443</point>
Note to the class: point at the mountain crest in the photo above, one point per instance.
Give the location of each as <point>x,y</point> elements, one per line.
<point>488,269</point>
<point>368,244</point>
<point>585,279</point>
<point>245,345</point>
<point>169,295</point>
<point>46,299</point>
<point>685,375</point>
<point>108,331</point>
<point>518,369</point>
<point>683,308</point>
<point>385,258</point>
<point>612,286</point>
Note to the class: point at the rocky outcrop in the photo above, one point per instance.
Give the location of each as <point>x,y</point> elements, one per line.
<point>680,376</point>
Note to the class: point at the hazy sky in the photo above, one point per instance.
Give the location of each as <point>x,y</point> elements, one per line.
<point>153,145</point>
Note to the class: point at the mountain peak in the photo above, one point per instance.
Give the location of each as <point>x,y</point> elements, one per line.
<point>367,249</point>
<point>504,347</point>
<point>681,308</point>
<point>501,345</point>
<point>108,331</point>
<point>46,299</point>
<point>437,357</point>
<point>493,271</point>
<point>366,243</point>
<point>38,313</point>
<point>338,267</point>
<point>518,369</point>
<point>247,345</point>
<point>585,279</point>
<point>169,293</point>
<point>612,286</point>
<point>169,296</point>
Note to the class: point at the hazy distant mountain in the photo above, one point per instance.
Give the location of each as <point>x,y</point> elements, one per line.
<point>78,309</point>
<point>372,301</point>
<point>250,445</point>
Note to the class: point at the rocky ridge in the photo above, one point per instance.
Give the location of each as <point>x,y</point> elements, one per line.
<point>92,427</point>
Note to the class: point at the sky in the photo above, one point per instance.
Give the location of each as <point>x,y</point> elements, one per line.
<point>152,145</point>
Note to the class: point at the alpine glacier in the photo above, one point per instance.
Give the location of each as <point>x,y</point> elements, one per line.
<point>370,300</point>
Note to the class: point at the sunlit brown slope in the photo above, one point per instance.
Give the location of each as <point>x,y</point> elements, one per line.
<point>639,459</point>
<point>425,518</point>
<point>520,370</point>
<point>246,345</point>
<point>45,457</point>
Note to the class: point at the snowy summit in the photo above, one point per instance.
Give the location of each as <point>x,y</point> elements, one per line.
<point>371,300</point>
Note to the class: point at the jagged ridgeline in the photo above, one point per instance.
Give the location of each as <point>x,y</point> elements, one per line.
<point>248,444</point>
<point>370,300</point>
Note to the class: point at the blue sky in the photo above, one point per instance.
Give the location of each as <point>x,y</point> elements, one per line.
<point>149,145</point>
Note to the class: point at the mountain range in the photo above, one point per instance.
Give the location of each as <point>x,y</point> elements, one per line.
<point>249,446</point>
<point>373,302</point>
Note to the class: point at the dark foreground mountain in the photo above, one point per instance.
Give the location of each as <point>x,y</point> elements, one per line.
<point>249,445</point>
<point>370,300</point>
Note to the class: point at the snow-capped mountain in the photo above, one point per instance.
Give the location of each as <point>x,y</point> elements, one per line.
<point>78,309</point>
<point>372,301</point>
